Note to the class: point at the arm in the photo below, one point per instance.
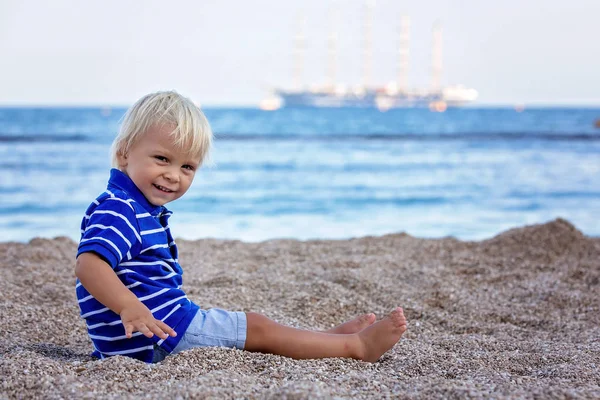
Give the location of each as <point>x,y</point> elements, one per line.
<point>98,278</point>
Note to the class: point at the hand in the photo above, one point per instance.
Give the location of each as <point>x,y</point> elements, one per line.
<point>137,317</point>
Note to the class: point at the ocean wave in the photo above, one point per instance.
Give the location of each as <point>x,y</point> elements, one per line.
<point>250,137</point>
<point>500,136</point>
<point>38,138</point>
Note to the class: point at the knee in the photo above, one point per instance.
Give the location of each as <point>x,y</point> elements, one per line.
<point>258,325</point>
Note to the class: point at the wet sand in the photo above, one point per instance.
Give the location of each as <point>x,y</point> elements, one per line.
<point>515,316</point>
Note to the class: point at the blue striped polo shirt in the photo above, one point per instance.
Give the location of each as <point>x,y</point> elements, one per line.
<point>134,238</point>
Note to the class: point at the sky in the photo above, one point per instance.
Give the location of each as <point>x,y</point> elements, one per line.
<point>233,52</point>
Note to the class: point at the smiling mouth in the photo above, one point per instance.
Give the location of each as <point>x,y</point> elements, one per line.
<point>163,189</point>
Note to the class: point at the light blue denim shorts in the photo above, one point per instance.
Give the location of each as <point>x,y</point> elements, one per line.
<point>213,327</point>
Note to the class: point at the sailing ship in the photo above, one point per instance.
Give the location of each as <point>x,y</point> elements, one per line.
<point>394,95</point>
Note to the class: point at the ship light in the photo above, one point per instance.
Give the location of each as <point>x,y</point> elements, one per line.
<point>438,106</point>
<point>270,104</point>
<point>391,88</point>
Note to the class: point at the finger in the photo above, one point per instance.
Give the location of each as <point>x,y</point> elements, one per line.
<point>145,331</point>
<point>157,331</point>
<point>128,330</point>
<point>166,328</point>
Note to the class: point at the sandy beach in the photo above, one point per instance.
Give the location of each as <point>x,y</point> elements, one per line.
<point>514,316</point>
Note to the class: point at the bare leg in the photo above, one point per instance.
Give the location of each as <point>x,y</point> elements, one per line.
<point>267,336</point>
<point>354,325</point>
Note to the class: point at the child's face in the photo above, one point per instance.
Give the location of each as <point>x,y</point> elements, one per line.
<point>160,170</point>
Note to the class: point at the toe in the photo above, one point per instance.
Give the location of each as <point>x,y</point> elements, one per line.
<point>366,319</point>
<point>397,313</point>
<point>398,317</point>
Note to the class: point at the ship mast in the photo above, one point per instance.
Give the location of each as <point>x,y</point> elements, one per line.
<point>332,46</point>
<point>403,53</point>
<point>299,50</point>
<point>436,59</point>
<point>368,49</point>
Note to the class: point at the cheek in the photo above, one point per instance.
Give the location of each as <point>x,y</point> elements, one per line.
<point>189,180</point>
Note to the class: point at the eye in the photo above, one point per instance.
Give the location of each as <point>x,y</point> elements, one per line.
<point>189,167</point>
<point>161,158</point>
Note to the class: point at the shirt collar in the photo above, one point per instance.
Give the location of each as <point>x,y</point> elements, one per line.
<point>118,179</point>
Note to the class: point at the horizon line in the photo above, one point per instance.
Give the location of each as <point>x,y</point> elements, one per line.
<point>523,105</point>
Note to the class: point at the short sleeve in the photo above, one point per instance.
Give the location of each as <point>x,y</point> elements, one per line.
<point>111,231</point>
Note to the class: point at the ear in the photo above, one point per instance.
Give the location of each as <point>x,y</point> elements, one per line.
<point>122,159</point>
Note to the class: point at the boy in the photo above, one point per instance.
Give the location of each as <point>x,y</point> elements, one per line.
<point>128,275</point>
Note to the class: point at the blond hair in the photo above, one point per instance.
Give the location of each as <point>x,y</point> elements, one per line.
<point>191,128</point>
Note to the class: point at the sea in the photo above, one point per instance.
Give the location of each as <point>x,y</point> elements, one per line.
<point>469,173</point>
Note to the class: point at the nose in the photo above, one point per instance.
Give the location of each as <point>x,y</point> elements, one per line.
<point>171,175</point>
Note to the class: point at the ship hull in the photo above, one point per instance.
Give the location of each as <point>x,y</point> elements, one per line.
<point>322,100</point>
<point>367,100</point>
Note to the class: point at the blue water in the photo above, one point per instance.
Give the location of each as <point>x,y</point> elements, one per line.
<point>468,173</point>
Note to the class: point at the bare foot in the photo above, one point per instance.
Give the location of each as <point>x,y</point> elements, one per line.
<point>354,325</point>
<point>382,335</point>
